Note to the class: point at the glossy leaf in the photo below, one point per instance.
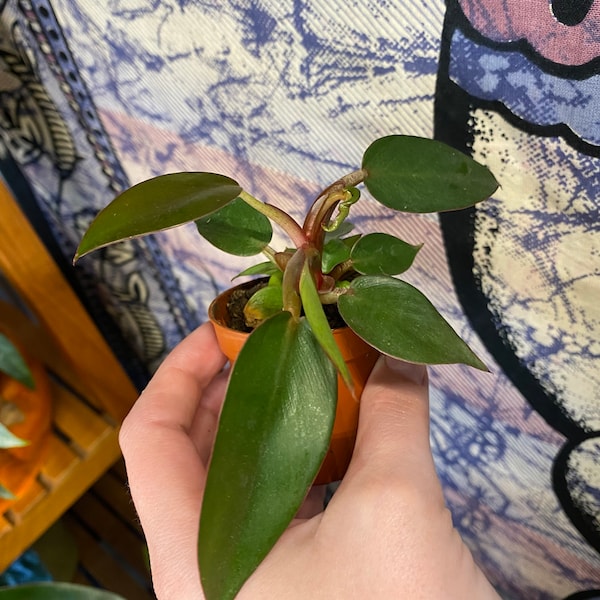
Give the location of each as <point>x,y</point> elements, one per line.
<point>9,439</point>
<point>237,229</point>
<point>334,253</point>
<point>265,303</point>
<point>12,363</point>
<point>55,591</point>
<point>413,174</point>
<point>157,204</point>
<point>273,434</point>
<point>319,324</point>
<point>398,320</point>
<point>263,268</point>
<point>383,254</point>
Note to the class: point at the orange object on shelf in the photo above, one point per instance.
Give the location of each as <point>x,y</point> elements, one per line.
<point>20,466</point>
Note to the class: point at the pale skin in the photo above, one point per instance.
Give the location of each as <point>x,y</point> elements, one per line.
<point>385,534</point>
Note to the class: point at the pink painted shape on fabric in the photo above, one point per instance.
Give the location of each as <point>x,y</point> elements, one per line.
<point>533,21</point>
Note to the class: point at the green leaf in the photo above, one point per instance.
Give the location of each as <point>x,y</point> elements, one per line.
<point>263,268</point>
<point>397,319</point>
<point>334,253</point>
<point>237,228</point>
<point>9,440</point>
<point>12,363</point>
<point>313,309</point>
<point>5,493</point>
<point>55,591</point>
<point>383,254</point>
<point>414,174</point>
<point>157,204</point>
<point>263,304</point>
<point>273,434</point>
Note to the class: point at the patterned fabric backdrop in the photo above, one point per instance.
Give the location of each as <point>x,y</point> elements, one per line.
<point>286,95</point>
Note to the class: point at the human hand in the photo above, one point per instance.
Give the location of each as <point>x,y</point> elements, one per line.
<point>385,534</point>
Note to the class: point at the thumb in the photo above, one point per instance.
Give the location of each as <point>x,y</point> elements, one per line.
<point>393,431</point>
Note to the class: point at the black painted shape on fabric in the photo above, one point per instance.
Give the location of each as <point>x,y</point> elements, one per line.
<point>451,116</point>
<point>571,12</point>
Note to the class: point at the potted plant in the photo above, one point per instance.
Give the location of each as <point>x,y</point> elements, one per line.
<point>277,420</point>
<point>25,414</point>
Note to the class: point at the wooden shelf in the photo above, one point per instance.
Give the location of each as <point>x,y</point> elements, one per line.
<point>91,392</point>
<point>109,539</point>
<point>83,445</point>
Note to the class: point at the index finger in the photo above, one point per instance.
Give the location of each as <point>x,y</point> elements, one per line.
<point>166,473</point>
<point>173,393</point>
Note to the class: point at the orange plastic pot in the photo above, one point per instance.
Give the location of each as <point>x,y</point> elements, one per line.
<point>30,418</point>
<point>360,358</point>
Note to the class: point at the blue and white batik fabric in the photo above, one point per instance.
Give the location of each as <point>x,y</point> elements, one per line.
<point>286,95</point>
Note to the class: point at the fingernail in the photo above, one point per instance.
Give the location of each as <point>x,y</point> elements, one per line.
<point>413,372</point>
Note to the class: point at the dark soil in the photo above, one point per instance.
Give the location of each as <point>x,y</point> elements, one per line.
<point>239,297</point>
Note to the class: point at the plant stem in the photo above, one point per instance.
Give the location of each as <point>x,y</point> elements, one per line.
<point>333,296</point>
<point>291,283</point>
<point>322,208</point>
<point>340,270</point>
<point>278,216</point>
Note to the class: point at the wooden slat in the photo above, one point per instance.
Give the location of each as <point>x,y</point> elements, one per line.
<point>35,494</point>
<point>107,514</point>
<point>76,420</point>
<point>101,565</point>
<point>43,514</point>
<point>5,526</point>
<point>115,492</point>
<point>61,460</point>
<point>128,545</point>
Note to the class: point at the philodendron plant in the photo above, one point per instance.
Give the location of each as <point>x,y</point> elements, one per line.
<point>14,366</point>
<point>279,409</point>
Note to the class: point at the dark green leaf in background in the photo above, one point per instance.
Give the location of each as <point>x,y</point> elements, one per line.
<point>237,229</point>
<point>398,320</point>
<point>55,591</point>
<point>5,493</point>
<point>9,440</point>
<point>157,204</point>
<point>413,174</point>
<point>273,434</point>
<point>12,363</point>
